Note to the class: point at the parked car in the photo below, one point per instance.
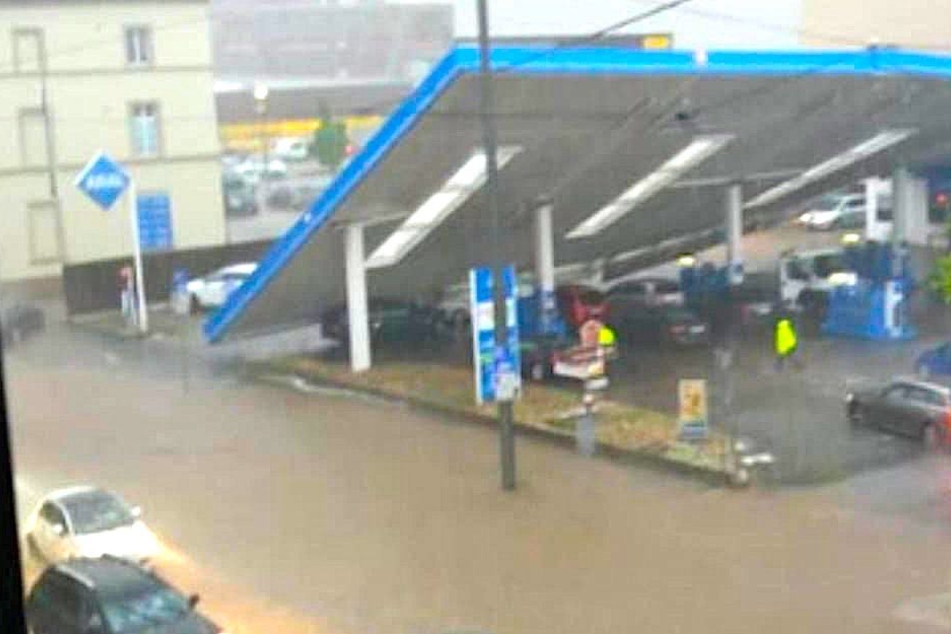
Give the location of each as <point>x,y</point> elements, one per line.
<point>240,195</point>
<point>212,290</point>
<point>19,321</point>
<point>578,303</point>
<point>935,362</point>
<point>110,596</point>
<point>659,324</point>
<point>88,522</point>
<point>454,301</point>
<point>253,169</point>
<point>836,212</point>
<point>918,409</point>
<point>292,150</point>
<point>650,291</point>
<point>391,321</point>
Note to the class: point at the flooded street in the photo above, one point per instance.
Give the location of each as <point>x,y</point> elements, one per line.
<point>321,513</point>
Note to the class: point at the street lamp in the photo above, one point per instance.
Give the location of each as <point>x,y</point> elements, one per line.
<point>261,92</point>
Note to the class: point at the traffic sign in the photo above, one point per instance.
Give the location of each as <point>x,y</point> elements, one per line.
<point>103,180</point>
<point>155,221</point>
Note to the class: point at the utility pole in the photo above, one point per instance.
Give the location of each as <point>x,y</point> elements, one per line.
<point>506,422</point>
<point>49,135</point>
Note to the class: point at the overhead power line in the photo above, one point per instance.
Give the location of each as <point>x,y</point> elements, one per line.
<point>600,34</point>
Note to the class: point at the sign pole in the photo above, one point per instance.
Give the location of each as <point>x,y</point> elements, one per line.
<point>505,409</point>
<point>141,305</point>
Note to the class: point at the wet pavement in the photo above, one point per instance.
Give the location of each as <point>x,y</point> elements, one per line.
<point>800,411</point>
<point>312,512</point>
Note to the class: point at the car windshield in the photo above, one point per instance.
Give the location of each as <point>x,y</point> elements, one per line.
<point>95,512</point>
<point>143,611</point>
<point>826,265</point>
<point>829,203</point>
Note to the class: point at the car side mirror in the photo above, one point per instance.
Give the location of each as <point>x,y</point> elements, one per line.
<point>136,512</point>
<point>193,601</point>
<point>59,529</point>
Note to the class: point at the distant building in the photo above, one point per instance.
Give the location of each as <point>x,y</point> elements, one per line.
<point>131,78</point>
<point>357,57</point>
<point>912,24</point>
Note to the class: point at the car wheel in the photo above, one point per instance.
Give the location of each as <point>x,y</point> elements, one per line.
<point>460,320</point>
<point>740,478</point>
<point>537,372</point>
<point>32,549</point>
<point>194,306</point>
<point>856,415</point>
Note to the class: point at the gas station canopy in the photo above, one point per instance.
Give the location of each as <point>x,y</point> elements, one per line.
<point>633,149</point>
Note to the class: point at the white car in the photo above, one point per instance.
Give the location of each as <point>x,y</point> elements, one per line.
<point>253,169</point>
<point>836,212</point>
<point>291,150</point>
<point>88,522</point>
<point>212,290</point>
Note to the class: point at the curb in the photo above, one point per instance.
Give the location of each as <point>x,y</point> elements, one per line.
<point>564,440</point>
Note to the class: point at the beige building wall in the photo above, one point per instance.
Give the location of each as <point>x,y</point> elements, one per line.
<point>913,24</point>
<point>91,89</point>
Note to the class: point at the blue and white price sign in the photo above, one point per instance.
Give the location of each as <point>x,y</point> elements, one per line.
<point>154,213</point>
<point>497,372</point>
<point>103,181</point>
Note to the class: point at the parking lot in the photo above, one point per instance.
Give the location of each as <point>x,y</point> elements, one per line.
<point>278,200</point>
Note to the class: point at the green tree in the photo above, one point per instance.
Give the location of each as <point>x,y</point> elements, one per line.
<point>939,282</point>
<point>330,140</point>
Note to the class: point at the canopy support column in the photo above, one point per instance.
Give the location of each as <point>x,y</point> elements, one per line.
<point>545,265</point>
<point>357,311</point>
<point>734,233</point>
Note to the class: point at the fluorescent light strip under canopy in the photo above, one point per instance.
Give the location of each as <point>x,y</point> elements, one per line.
<point>434,210</point>
<point>858,152</point>
<point>701,148</point>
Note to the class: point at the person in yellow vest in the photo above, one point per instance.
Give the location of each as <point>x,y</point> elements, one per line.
<point>786,341</point>
<point>607,341</point>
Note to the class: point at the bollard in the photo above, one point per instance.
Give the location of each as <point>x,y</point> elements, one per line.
<point>584,430</point>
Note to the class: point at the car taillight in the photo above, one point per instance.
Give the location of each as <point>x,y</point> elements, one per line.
<point>678,329</point>
<point>947,418</point>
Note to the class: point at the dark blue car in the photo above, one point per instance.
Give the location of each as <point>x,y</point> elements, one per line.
<point>934,362</point>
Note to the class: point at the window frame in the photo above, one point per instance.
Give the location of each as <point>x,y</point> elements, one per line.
<point>134,150</point>
<point>33,209</point>
<point>148,50</point>
<point>17,34</point>
<point>25,114</point>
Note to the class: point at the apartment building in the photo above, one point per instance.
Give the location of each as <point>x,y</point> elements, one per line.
<point>132,78</point>
<point>911,24</point>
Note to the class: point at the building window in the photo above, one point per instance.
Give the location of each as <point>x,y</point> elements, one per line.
<point>138,46</point>
<point>32,125</point>
<point>27,50</point>
<point>43,232</point>
<point>144,128</point>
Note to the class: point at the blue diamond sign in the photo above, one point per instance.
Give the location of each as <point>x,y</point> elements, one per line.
<point>103,180</point>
